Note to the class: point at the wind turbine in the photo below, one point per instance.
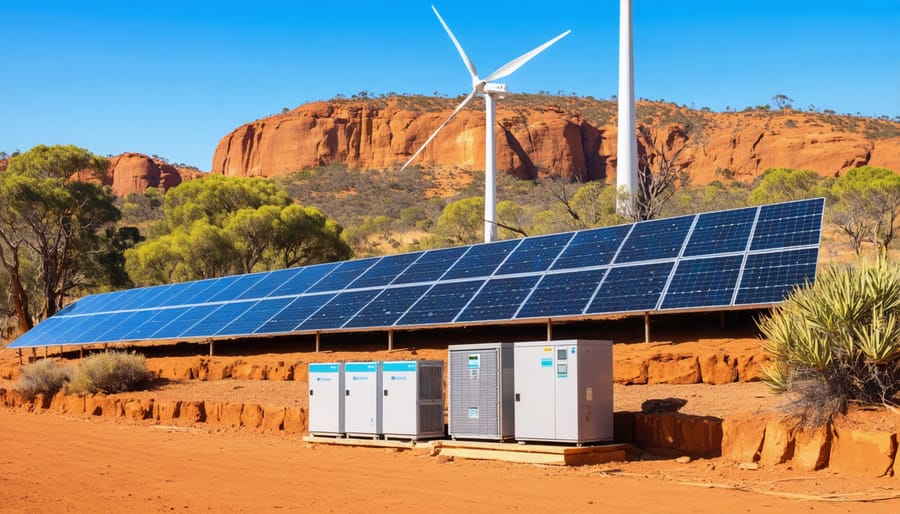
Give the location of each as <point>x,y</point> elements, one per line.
<point>491,91</point>
<point>626,153</point>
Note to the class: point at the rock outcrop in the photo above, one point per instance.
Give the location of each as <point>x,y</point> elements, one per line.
<point>536,139</point>
<point>135,172</point>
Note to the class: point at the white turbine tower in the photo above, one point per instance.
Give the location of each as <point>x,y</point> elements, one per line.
<point>491,91</point>
<point>626,153</point>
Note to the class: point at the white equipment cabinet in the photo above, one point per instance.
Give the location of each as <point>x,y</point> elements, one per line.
<point>362,399</point>
<point>326,399</point>
<point>481,391</point>
<point>413,399</point>
<point>564,391</point>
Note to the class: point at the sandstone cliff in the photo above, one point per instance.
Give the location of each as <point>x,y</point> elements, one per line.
<point>539,135</point>
<point>135,172</point>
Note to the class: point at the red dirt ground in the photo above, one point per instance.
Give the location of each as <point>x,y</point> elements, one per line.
<point>51,463</point>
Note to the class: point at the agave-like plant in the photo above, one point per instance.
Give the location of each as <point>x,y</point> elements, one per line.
<point>838,340</point>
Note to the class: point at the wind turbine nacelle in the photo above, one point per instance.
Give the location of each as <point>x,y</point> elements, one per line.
<point>494,89</point>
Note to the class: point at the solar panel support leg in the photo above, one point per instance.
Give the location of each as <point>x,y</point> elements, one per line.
<point>646,327</point>
<point>81,352</point>
<point>549,329</point>
<point>390,340</point>
<point>19,353</point>
<point>210,347</point>
<point>318,340</point>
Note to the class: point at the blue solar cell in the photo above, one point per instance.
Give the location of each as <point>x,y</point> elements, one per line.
<point>119,326</point>
<point>499,299</point>
<point>155,320</point>
<point>41,335</point>
<point>159,293</point>
<point>88,331</point>
<point>721,232</point>
<point>441,303</point>
<point>269,283</point>
<point>256,316</point>
<point>183,292</point>
<point>131,298</point>
<point>341,276</point>
<point>74,326</point>
<point>300,282</point>
<point>631,288</point>
<point>188,318</point>
<point>341,308</point>
<point>431,265</point>
<point>214,286</point>
<point>706,282</point>
<point>535,254</point>
<point>562,294</point>
<point>294,314</point>
<point>481,260</point>
<point>385,270</point>
<point>788,224</point>
<point>387,307</point>
<point>94,303</point>
<point>770,277</point>
<point>213,323</point>
<point>234,288</point>
<point>656,239</point>
<point>592,247</point>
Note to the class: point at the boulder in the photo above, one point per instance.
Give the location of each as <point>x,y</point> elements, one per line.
<point>280,371</point>
<point>630,371</point>
<point>295,421</point>
<point>192,412</point>
<point>217,370</point>
<point>717,368</point>
<point>697,436</point>
<point>251,415</point>
<point>137,410</point>
<point>166,410</point>
<point>273,418</point>
<point>673,369</point>
<point>749,367</point>
<point>862,452</point>
<point>301,372</point>
<point>231,414</point>
<point>74,404</point>
<point>778,446</point>
<point>742,439</point>
<point>213,412</point>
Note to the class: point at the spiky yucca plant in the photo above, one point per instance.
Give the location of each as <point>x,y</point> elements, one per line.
<point>838,341</point>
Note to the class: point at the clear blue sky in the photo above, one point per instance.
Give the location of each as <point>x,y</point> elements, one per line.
<point>172,77</point>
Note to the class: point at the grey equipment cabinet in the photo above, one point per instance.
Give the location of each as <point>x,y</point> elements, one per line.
<point>413,399</point>
<point>481,391</point>
<point>326,399</point>
<point>564,391</point>
<point>362,399</point>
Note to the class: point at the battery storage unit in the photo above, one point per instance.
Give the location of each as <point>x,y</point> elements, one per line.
<point>413,399</point>
<point>326,399</point>
<point>362,399</point>
<point>481,391</point>
<point>564,391</point>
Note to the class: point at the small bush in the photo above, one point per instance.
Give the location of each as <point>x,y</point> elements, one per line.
<point>110,372</point>
<point>838,341</point>
<point>44,376</point>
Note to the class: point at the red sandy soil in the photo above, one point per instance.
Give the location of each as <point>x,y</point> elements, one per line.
<point>51,463</point>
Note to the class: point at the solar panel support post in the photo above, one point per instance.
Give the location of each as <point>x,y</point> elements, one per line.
<point>390,340</point>
<point>318,340</point>
<point>549,329</point>
<point>646,327</point>
<point>210,347</point>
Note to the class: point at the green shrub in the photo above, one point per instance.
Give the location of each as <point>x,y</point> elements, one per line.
<point>44,376</point>
<point>110,372</point>
<point>837,341</point>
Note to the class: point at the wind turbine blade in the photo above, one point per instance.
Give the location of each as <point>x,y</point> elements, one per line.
<point>458,108</point>
<point>462,53</point>
<point>517,63</point>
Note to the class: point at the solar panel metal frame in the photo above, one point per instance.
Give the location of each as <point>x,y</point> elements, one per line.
<point>163,307</point>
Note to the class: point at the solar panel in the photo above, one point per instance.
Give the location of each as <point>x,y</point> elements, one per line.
<point>562,294</point>
<point>738,258</point>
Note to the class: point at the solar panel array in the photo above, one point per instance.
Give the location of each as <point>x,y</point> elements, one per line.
<point>743,257</point>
